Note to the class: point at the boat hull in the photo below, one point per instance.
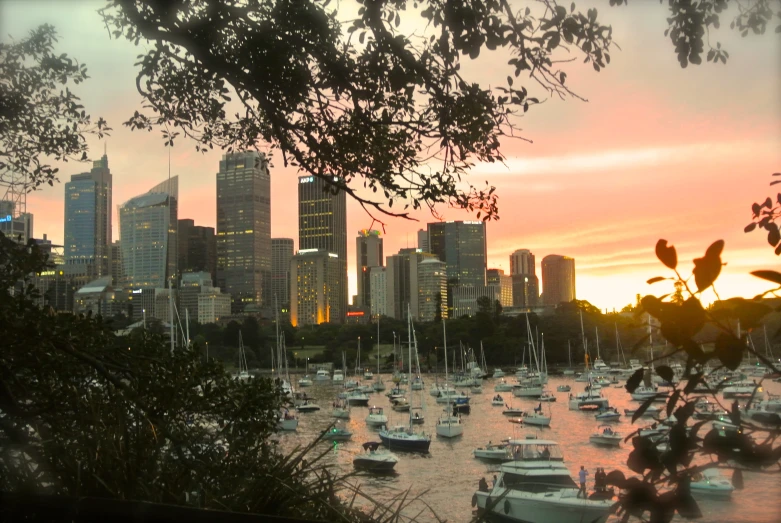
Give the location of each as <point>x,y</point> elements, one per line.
<point>287,424</point>
<point>562,507</point>
<point>605,441</point>
<point>588,404</point>
<point>405,444</point>
<point>452,430</point>
<point>373,465</point>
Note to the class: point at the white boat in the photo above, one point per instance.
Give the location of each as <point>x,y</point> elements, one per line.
<point>338,377</point>
<point>563,388</point>
<point>498,373</point>
<point>357,398</point>
<point>608,414</point>
<point>378,385</point>
<point>649,413</point>
<point>497,401</point>
<point>546,397</point>
<point>368,375</point>
<point>476,390</point>
<point>417,383</point>
<point>743,389</point>
<point>503,386</point>
<point>605,435</point>
<point>306,406</point>
<point>376,417</point>
<point>536,417</point>
<point>341,410</point>
<point>287,421</point>
<point>449,426</point>
<point>643,393</point>
<point>351,384</point>
<point>447,395</point>
<point>527,390</point>
<point>374,459</point>
<point>400,404</point>
<point>712,484</point>
<point>337,433</point>
<point>588,400</point>
<point>494,452</point>
<point>306,381</point>
<point>322,376</point>
<point>536,487</point>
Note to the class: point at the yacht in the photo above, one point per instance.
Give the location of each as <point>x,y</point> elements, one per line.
<point>306,406</point>
<point>536,487</point>
<point>494,452</point>
<point>306,381</point>
<point>357,398</point>
<point>477,389</point>
<point>650,412</point>
<point>417,383</point>
<point>337,433</point>
<point>536,418</point>
<point>563,388</point>
<point>404,438</point>
<point>712,484</point>
<point>375,460</point>
<point>498,373</point>
<point>608,414</point>
<point>287,421</point>
<point>368,375</point>
<point>447,395</point>
<point>546,397</point>
<point>743,389</point>
<point>322,376</point>
<point>527,390</point>
<point>590,399</point>
<point>341,410</point>
<point>643,393</point>
<point>606,436</point>
<point>449,426</point>
<point>338,376</point>
<point>497,401</point>
<point>376,417</point>
<point>503,386</point>
<point>351,383</point>
<point>400,404</point>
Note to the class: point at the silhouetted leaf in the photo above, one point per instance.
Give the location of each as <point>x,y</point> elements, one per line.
<point>692,383</point>
<point>656,279</point>
<point>773,235</point>
<point>773,276</point>
<point>672,401</point>
<point>666,373</point>
<point>644,407</point>
<point>750,227</point>
<point>666,255</point>
<point>707,268</point>
<point>634,380</point>
<point>616,478</point>
<point>686,505</point>
<point>729,350</point>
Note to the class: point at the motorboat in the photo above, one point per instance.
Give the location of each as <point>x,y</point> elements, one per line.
<point>365,389</point>
<point>306,381</point>
<point>307,406</point>
<point>743,389</point>
<point>605,436</point>
<point>395,392</point>
<point>711,483</point>
<point>643,393</point>
<point>404,438</point>
<point>537,487</point>
<point>341,410</point>
<point>503,386</point>
<point>378,385</point>
<point>527,390</point>
<point>322,376</point>
<point>368,375</point>
<point>376,417</point>
<point>650,412</point>
<point>497,401</point>
<point>351,384</point>
<point>336,433</point>
<point>417,383</point>
<point>338,377</point>
<point>417,418</point>
<point>546,397</point>
<point>400,404</point>
<point>287,421</point>
<point>374,459</point>
<point>536,418</point>
<point>478,389</point>
<point>449,426</point>
<point>608,414</point>
<point>568,372</point>
<point>357,398</point>
<point>494,452</point>
<point>447,395</point>
<point>509,411</point>
<point>588,400</point>
<point>498,373</point>
<point>461,405</point>
<point>563,388</point>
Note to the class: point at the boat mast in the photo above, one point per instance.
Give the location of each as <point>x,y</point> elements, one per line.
<point>596,330</point>
<point>444,341</point>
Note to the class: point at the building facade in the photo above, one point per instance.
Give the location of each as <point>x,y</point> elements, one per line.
<point>244,230</point>
<point>281,255</point>
<point>378,299</point>
<point>402,283</point>
<point>322,225</point>
<point>497,278</point>
<point>197,249</point>
<point>558,279</point>
<point>423,240</point>
<point>315,286</point>
<point>368,254</point>
<point>465,298</point>
<point>88,218</point>
<point>432,289</point>
<point>526,287</point>
<point>14,224</point>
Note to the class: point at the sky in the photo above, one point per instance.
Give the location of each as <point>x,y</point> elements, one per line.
<point>656,152</point>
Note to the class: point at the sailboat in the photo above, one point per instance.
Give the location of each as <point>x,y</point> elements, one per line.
<point>591,398</point>
<point>287,420</point>
<point>243,373</point>
<point>448,425</point>
<point>401,437</point>
<point>341,407</point>
<point>378,384</point>
<point>569,371</point>
<point>530,387</point>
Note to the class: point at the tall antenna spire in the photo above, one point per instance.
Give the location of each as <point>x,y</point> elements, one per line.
<point>104,147</point>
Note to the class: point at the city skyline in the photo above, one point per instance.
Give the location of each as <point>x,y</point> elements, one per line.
<point>651,137</point>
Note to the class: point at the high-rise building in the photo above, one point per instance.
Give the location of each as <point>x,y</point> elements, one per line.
<point>116,264</point>
<point>558,279</point>
<point>523,270</point>
<point>322,224</point>
<point>378,300</point>
<point>466,299</point>
<point>88,218</point>
<point>14,224</point>
<point>423,240</point>
<point>368,254</point>
<point>281,254</point>
<point>200,299</point>
<point>148,238</point>
<point>244,230</point>
<point>402,280</point>
<point>462,246</point>
<point>432,289</point>
<point>504,282</point>
<point>314,288</point>
<point>197,249</point>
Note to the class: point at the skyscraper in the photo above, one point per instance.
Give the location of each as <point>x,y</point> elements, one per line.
<point>322,224</point>
<point>462,246</point>
<point>423,240</point>
<point>314,287</point>
<point>504,282</point>
<point>88,218</point>
<point>403,281</point>
<point>14,224</point>
<point>379,291</point>
<point>558,279</point>
<point>197,249</point>
<point>281,254</point>
<point>368,254</point>
<point>526,286</point>
<point>244,229</point>
<point>148,238</point>
<point>432,289</point>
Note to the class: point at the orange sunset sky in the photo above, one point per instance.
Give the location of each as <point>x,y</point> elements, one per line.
<point>656,152</point>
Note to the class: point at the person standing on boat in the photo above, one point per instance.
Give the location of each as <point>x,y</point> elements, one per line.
<point>582,473</point>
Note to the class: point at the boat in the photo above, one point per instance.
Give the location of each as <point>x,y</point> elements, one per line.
<point>368,375</point>
<point>649,413</point>
<point>498,373</point>
<point>743,389</point>
<point>287,421</point>
<point>588,400</point>
<point>338,376</point>
<point>418,418</point>
<point>306,381</point>
<point>476,390</point>
<point>643,393</point>
<point>503,386</point>
<point>358,398</point>
<point>497,401</point>
<point>536,417</point>
<point>322,376</point>
<point>417,383</point>
<point>400,404</point>
<point>373,459</point>
<point>494,452</point>
<point>378,385</point>
<point>563,388</point>
<point>243,372</point>
<point>537,487</point>
<point>711,484</point>
<point>509,411</point>
<point>306,406</point>
<point>608,414</point>
<point>341,409</point>
<point>606,436</point>
<point>337,433</point>
<point>569,371</point>
<point>395,392</point>
<point>448,425</point>
<point>376,417</point>
<point>546,397</point>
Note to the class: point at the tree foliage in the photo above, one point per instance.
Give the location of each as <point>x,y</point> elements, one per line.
<point>41,119</point>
